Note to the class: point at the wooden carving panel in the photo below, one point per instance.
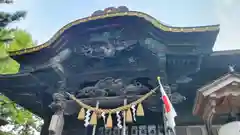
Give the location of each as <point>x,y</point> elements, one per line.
<point>117,131</point>
<point>131,130</point>
<point>143,130</point>
<point>134,130</point>
<point>152,130</point>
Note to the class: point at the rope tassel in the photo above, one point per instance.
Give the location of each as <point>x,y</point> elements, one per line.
<point>93,120</point>
<point>140,111</point>
<point>109,123</point>
<point>81,114</point>
<point>129,116</point>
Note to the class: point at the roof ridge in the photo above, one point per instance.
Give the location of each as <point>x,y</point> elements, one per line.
<point>145,16</point>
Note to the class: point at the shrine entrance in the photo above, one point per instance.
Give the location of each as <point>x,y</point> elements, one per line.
<point>107,115</point>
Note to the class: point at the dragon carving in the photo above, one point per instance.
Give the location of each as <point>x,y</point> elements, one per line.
<point>110,86</point>
<point>106,44</point>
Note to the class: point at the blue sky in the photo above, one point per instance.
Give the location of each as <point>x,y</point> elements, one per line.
<point>45,17</point>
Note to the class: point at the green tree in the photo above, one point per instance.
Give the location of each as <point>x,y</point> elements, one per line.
<point>6,19</point>
<point>25,123</point>
<point>7,64</point>
<point>22,121</point>
<point>20,40</point>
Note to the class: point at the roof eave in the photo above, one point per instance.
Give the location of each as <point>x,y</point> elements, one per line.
<point>145,16</point>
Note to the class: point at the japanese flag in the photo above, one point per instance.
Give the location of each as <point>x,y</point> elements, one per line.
<point>170,112</point>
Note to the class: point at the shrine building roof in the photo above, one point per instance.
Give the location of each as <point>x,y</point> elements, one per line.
<point>200,35</point>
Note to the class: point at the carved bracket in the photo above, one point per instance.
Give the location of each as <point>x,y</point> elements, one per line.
<point>59,102</point>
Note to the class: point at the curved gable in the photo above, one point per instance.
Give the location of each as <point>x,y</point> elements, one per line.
<point>108,14</point>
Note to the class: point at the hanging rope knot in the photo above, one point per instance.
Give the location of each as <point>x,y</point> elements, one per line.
<point>98,113</point>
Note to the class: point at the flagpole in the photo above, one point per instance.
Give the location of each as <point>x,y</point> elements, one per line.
<point>163,110</point>
<point>167,131</point>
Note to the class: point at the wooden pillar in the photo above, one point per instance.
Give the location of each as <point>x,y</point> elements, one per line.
<point>56,124</point>
<point>208,115</point>
<point>57,120</point>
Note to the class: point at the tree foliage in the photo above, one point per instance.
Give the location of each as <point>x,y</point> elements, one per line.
<point>11,39</point>
<point>25,123</point>
<point>20,40</point>
<point>20,120</point>
<point>7,18</point>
